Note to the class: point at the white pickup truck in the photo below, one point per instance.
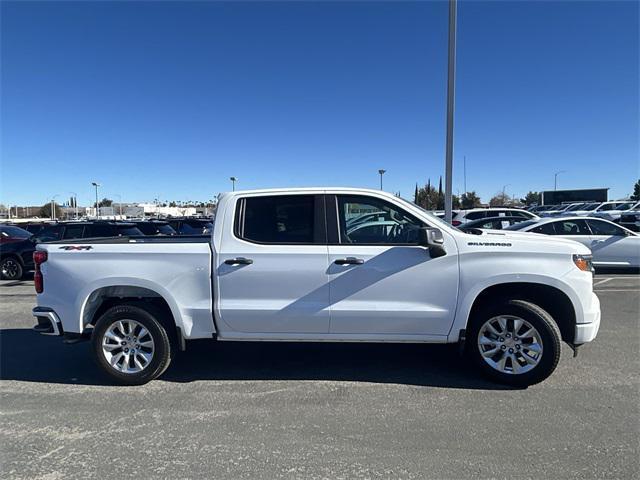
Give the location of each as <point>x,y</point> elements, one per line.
<point>321,264</point>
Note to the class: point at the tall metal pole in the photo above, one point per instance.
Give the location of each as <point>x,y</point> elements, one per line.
<point>381,172</point>
<point>451,77</point>
<point>555,179</point>
<point>233,183</point>
<point>465,173</point>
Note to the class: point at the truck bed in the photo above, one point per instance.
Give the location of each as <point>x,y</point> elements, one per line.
<point>137,239</point>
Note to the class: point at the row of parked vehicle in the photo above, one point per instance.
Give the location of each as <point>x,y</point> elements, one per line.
<point>624,211</point>
<point>18,241</point>
<point>613,245</point>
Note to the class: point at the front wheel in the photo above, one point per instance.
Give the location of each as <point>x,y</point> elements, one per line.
<point>514,342</point>
<point>131,345</point>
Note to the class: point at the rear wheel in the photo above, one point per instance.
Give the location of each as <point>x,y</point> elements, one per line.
<point>131,345</point>
<point>10,269</point>
<point>514,342</point>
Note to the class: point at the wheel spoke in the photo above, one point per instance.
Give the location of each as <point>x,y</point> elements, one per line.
<point>533,347</point>
<point>492,329</point>
<point>503,324</point>
<point>111,335</point>
<point>528,333</point>
<point>116,358</point>
<point>517,324</point>
<point>110,347</point>
<point>491,352</point>
<point>487,341</point>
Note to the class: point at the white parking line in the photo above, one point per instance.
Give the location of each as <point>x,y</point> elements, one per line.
<point>603,281</point>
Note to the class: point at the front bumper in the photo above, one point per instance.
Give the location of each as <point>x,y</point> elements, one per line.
<point>587,331</point>
<point>48,321</point>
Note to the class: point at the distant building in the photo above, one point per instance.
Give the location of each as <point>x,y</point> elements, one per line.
<point>555,197</point>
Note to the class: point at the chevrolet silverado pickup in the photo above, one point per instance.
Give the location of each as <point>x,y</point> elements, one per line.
<point>320,265</point>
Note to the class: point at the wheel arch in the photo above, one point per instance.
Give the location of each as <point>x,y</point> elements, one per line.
<point>550,298</point>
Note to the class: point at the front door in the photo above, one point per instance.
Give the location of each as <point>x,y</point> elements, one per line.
<point>272,273</point>
<point>380,280</point>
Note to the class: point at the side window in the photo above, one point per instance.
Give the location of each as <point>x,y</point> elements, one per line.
<point>547,229</point>
<point>572,227</point>
<point>476,215</point>
<point>365,220</point>
<point>281,219</point>
<point>97,230</point>
<point>73,231</point>
<point>50,234</point>
<point>604,228</point>
<point>520,214</point>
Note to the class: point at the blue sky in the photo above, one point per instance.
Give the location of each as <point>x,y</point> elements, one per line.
<point>168,100</point>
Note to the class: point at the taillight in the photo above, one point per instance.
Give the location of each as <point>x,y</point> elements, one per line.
<point>456,223</point>
<point>39,257</point>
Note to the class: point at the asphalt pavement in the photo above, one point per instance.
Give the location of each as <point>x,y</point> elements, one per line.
<point>260,410</point>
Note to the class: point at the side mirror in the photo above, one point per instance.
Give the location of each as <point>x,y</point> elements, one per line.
<point>432,239</point>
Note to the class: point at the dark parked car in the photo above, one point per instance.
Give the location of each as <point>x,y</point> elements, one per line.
<point>155,227</point>
<point>191,226</point>
<point>492,223</point>
<point>631,218</point>
<point>16,252</point>
<point>71,230</point>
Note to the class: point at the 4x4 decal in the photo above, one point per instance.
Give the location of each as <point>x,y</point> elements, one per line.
<point>75,247</point>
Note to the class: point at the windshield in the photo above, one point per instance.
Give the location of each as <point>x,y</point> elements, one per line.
<point>590,206</point>
<point>521,225</point>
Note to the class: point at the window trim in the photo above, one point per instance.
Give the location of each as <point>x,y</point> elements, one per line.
<point>319,220</point>
<point>333,221</point>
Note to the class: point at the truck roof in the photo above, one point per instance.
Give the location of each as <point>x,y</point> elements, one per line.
<point>354,190</point>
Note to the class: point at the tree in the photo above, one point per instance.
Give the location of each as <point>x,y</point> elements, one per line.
<point>470,200</point>
<point>45,210</point>
<point>636,191</point>
<point>105,202</point>
<point>531,198</point>
<point>500,200</point>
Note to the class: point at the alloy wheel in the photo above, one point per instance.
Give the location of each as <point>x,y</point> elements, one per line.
<point>128,346</point>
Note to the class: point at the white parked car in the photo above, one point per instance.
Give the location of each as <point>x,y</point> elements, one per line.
<point>464,216</point>
<point>613,210</point>
<point>559,209</point>
<point>580,210</point>
<point>282,265</point>
<point>611,245</point>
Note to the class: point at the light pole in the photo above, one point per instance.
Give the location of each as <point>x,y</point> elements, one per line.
<point>233,183</point>
<point>119,202</point>
<point>451,82</point>
<point>555,179</point>
<point>96,184</point>
<point>381,172</point>
<point>503,192</point>
<point>53,206</point>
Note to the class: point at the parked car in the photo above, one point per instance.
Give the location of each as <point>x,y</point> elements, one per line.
<point>559,209</point>
<point>154,227</point>
<point>464,216</point>
<point>611,245</point>
<point>191,226</point>
<point>631,218</point>
<point>615,210</point>
<point>281,265</point>
<point>539,209</point>
<point>95,229</point>
<point>491,223</point>
<point>16,252</point>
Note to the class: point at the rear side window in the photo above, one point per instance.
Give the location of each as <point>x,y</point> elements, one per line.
<point>547,229</point>
<point>128,231</point>
<point>50,234</point>
<point>73,231</point>
<point>572,227</point>
<point>97,230</point>
<point>284,219</point>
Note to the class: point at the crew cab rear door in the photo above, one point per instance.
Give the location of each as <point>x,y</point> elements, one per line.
<point>272,266</point>
<point>381,282</point>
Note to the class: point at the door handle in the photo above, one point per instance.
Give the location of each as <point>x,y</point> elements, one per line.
<point>239,261</point>
<point>349,261</point>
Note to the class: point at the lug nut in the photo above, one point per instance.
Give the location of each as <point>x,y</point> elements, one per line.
<point>126,350</point>
<point>501,339</point>
<point>123,343</point>
<point>508,335</point>
<point>503,347</point>
<point>517,347</point>
<point>515,339</point>
<point>511,350</point>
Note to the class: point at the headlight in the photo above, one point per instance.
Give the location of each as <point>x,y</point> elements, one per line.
<point>584,262</point>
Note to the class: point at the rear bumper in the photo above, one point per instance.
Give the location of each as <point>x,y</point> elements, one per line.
<point>587,331</point>
<point>48,322</point>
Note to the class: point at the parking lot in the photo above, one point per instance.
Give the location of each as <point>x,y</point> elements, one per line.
<point>231,410</point>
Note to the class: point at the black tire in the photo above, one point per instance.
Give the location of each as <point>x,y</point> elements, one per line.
<point>149,319</point>
<point>539,319</point>
<point>11,269</point>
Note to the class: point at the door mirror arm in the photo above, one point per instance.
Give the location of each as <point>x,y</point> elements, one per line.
<point>432,239</point>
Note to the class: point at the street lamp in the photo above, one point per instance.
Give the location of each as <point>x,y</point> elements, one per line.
<point>53,206</point>
<point>451,82</point>
<point>233,183</point>
<point>381,172</point>
<point>96,184</point>
<point>555,179</point>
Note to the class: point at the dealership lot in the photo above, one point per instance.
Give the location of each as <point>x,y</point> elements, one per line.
<point>234,410</point>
